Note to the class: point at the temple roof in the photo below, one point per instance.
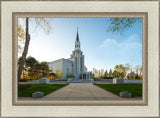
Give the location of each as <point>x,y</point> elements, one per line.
<point>77,37</point>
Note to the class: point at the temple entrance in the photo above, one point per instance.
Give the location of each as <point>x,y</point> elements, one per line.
<point>84,76</point>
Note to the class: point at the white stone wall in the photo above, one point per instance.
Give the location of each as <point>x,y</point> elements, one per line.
<point>74,65</point>
<point>82,63</point>
<point>67,64</point>
<point>55,65</point>
<point>85,69</point>
<point>63,65</point>
<point>78,65</point>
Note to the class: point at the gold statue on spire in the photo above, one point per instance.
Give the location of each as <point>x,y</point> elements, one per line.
<point>77,29</point>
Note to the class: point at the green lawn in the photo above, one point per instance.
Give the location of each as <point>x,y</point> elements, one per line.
<point>26,90</point>
<point>135,89</point>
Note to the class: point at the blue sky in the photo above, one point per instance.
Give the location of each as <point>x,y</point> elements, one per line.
<point>101,49</point>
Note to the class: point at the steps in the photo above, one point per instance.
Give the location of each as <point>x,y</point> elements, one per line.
<point>81,81</point>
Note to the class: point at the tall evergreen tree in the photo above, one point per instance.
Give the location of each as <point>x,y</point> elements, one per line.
<point>110,73</point>
<point>106,74</point>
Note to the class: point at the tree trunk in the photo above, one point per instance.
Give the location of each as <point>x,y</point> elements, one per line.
<point>25,51</point>
<point>23,72</point>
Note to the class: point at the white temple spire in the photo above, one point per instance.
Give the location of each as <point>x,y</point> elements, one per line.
<point>77,42</point>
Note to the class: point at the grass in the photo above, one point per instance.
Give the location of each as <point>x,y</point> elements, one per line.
<point>135,89</point>
<point>26,90</point>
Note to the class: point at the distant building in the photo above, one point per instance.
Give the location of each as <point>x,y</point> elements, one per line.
<point>72,66</point>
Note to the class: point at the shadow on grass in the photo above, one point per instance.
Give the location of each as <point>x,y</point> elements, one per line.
<point>135,89</point>
<point>26,90</point>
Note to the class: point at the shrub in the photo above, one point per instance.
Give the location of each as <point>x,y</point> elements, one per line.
<point>70,76</point>
<point>23,86</point>
<point>23,80</point>
<point>107,77</point>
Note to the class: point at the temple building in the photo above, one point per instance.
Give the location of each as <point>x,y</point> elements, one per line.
<point>75,65</point>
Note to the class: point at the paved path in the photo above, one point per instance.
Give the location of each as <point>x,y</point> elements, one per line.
<point>80,91</point>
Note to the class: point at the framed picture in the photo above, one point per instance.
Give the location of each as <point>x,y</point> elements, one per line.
<point>80,59</point>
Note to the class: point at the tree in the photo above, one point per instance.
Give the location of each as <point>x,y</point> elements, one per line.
<point>21,37</point>
<point>138,70</point>
<point>45,69</point>
<point>21,64</point>
<point>102,73</point>
<point>70,75</point>
<point>30,61</point>
<point>119,25</point>
<point>106,74</point>
<point>141,71</point>
<point>132,75</point>
<point>119,70</point>
<point>45,26</point>
<point>110,73</point>
<point>32,72</point>
<point>95,73</point>
<point>115,73</point>
<point>19,59</point>
<point>39,70</point>
<point>127,69</point>
<point>99,73</point>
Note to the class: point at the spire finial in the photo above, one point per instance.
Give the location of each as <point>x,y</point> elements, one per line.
<point>77,29</point>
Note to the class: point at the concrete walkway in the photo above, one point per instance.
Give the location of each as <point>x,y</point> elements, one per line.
<point>80,91</point>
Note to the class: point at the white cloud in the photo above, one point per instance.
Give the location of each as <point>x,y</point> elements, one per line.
<point>130,45</point>
<point>128,50</point>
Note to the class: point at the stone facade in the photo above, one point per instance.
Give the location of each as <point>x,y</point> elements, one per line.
<point>65,65</point>
<point>74,65</point>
